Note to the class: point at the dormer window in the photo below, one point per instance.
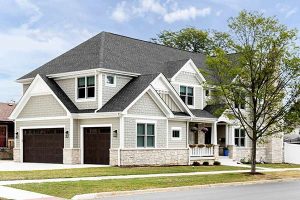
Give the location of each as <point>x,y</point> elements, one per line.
<point>86,87</point>
<point>187,95</point>
<point>110,80</point>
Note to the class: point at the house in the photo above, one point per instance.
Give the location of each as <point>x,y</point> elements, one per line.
<point>122,101</point>
<point>6,131</point>
<point>294,137</point>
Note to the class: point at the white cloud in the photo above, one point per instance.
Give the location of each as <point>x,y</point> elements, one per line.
<point>168,11</point>
<point>30,9</point>
<point>286,9</point>
<point>186,14</point>
<point>120,14</point>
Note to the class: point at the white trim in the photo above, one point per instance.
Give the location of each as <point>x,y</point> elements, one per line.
<point>6,137</point>
<point>100,90</point>
<point>155,133</point>
<point>144,116</point>
<point>176,129</point>
<point>86,99</point>
<point>27,96</point>
<point>95,115</point>
<point>122,128</point>
<point>167,135</point>
<point>194,95</point>
<point>192,64</point>
<point>181,83</point>
<point>82,137</point>
<point>71,132</point>
<point>37,127</point>
<point>108,84</point>
<point>41,118</point>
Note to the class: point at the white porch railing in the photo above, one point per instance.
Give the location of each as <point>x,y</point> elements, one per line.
<point>202,151</point>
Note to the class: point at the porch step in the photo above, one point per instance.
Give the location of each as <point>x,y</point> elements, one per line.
<point>225,160</point>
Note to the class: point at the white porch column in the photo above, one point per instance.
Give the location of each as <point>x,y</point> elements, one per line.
<point>230,135</point>
<point>214,133</point>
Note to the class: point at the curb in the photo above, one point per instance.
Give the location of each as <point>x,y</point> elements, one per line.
<point>170,189</point>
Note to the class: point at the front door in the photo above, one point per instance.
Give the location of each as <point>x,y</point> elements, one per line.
<point>3,136</point>
<point>96,145</point>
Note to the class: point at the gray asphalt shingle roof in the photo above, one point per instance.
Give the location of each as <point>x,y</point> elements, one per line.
<point>202,113</point>
<point>128,93</point>
<point>116,52</point>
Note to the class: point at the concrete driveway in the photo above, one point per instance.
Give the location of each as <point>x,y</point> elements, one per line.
<point>15,166</point>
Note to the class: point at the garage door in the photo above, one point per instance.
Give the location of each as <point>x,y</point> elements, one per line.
<point>96,145</point>
<point>43,145</point>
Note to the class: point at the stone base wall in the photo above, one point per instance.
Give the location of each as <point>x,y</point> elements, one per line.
<point>113,157</point>
<point>244,153</point>
<point>16,155</point>
<point>6,154</point>
<point>144,157</point>
<point>71,156</point>
<point>275,150</point>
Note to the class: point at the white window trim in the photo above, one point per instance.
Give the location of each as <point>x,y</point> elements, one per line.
<point>86,99</point>
<point>176,129</point>
<point>194,94</point>
<point>239,137</point>
<point>6,128</point>
<point>155,135</point>
<point>108,84</point>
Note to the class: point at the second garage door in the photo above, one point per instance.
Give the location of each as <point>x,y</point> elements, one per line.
<point>43,145</point>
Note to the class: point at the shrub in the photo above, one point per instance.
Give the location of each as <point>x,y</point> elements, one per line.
<point>206,163</point>
<point>217,163</point>
<point>196,163</point>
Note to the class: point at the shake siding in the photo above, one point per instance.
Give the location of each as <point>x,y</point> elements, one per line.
<point>115,126</point>
<point>187,77</point>
<point>68,86</point>
<point>44,123</point>
<point>130,138</point>
<point>108,92</point>
<point>76,133</point>
<point>42,106</point>
<point>146,106</point>
<point>177,143</point>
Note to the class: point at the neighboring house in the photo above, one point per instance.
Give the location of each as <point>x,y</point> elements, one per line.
<point>294,137</point>
<point>6,131</point>
<point>123,101</point>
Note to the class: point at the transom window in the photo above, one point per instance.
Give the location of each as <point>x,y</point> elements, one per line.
<point>145,135</point>
<point>187,95</point>
<point>86,87</point>
<point>176,133</point>
<point>240,136</point>
<point>110,80</point>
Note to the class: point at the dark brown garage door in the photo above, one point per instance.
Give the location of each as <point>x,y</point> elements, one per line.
<point>43,145</point>
<point>96,145</point>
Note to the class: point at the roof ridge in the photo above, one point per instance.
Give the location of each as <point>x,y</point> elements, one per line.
<point>152,43</point>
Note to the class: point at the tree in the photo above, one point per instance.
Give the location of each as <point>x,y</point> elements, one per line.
<point>194,40</point>
<point>263,75</point>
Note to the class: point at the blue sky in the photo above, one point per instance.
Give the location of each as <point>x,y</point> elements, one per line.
<point>34,32</point>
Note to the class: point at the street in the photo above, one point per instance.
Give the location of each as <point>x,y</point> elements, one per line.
<point>267,191</point>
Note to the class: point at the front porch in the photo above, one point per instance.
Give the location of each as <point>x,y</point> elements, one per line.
<point>207,141</point>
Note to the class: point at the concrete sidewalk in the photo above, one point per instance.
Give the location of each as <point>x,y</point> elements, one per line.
<point>3,183</point>
<point>11,193</point>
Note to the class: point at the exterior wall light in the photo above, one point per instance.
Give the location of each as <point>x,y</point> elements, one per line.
<point>115,133</point>
<point>17,135</point>
<point>67,134</point>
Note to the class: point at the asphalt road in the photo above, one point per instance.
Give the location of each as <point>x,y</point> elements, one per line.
<point>267,191</point>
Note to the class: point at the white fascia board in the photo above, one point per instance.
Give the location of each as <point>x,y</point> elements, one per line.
<point>25,81</point>
<point>173,92</point>
<point>190,62</point>
<point>96,115</point>
<point>28,94</point>
<point>204,120</point>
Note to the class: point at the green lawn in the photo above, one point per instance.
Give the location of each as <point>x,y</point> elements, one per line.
<point>278,165</point>
<point>70,189</point>
<point>106,171</point>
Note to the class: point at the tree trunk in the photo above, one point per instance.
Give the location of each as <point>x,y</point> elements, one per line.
<point>253,157</point>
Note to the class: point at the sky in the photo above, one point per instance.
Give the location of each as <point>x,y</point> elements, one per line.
<point>32,32</point>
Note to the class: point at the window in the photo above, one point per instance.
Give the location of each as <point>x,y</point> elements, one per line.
<point>110,80</point>
<point>187,95</point>
<point>145,135</point>
<point>240,104</point>
<point>240,136</point>
<point>86,87</point>
<point>206,93</point>
<point>176,132</point>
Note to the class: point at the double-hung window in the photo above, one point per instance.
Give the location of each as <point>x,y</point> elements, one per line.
<point>187,95</point>
<point>240,136</point>
<point>176,133</point>
<point>145,135</point>
<point>86,87</point>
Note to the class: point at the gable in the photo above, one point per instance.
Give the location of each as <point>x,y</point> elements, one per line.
<point>187,77</point>
<point>42,106</point>
<point>146,106</point>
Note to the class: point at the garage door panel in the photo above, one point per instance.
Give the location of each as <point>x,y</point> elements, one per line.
<point>96,145</point>
<point>43,145</point>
